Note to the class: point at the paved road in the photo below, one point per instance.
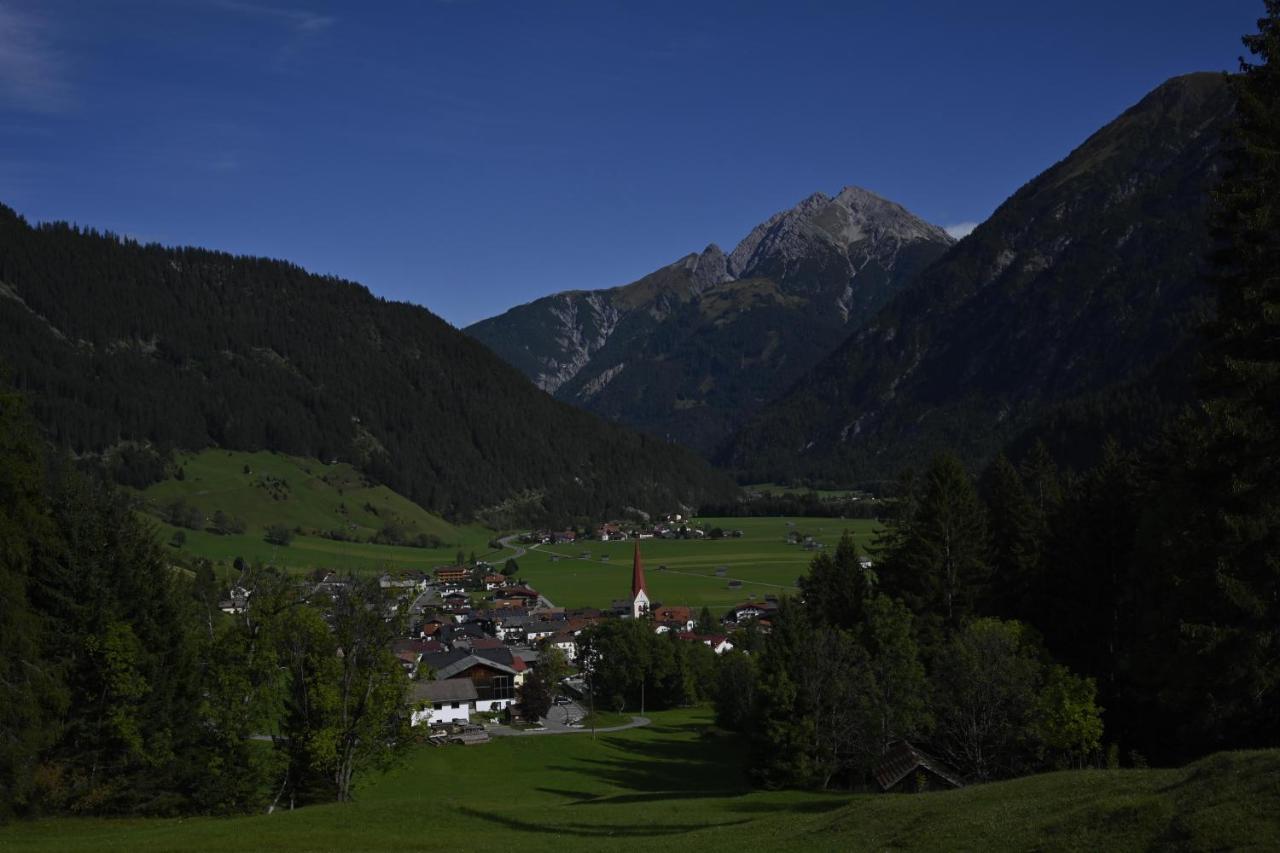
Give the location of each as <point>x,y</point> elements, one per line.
<point>555,724</point>
<point>520,550</point>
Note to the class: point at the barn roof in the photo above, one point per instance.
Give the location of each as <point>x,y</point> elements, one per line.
<point>903,759</point>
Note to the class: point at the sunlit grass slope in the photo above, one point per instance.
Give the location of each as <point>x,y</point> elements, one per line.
<point>676,784</point>
<point>269,488</point>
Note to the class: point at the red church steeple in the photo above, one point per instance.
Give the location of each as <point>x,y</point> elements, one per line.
<point>637,574</point>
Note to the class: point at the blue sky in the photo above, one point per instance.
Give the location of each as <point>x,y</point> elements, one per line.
<point>474,154</point>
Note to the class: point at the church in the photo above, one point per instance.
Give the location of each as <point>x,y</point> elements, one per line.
<point>639,596</point>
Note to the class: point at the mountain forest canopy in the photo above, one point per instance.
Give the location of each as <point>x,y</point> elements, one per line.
<point>1071,314</point>
<point>128,348</point>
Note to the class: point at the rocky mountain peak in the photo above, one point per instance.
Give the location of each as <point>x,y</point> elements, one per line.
<point>854,216</point>
<point>710,268</point>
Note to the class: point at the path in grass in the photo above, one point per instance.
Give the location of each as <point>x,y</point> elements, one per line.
<point>506,731</point>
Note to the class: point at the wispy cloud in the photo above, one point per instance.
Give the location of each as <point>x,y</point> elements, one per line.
<point>33,73</point>
<point>961,229</point>
<point>299,20</point>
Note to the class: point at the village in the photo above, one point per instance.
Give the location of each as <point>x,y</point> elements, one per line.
<point>475,632</point>
<point>468,660</point>
<point>487,655</point>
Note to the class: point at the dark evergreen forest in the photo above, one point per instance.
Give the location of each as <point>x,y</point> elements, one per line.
<point>119,346</point>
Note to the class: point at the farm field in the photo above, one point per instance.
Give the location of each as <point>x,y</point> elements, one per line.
<point>269,488</point>
<point>679,782</point>
<point>761,559</point>
<point>779,489</point>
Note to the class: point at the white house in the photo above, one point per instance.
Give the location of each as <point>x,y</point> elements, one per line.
<point>439,702</point>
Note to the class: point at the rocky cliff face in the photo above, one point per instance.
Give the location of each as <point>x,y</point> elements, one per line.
<point>1087,280</point>
<point>691,350</point>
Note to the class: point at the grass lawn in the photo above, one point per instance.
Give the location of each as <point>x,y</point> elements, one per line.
<point>761,559</point>
<point>678,783</point>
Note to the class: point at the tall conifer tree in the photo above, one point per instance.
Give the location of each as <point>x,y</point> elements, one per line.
<point>1234,598</point>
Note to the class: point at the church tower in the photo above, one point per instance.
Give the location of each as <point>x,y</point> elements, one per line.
<point>639,597</point>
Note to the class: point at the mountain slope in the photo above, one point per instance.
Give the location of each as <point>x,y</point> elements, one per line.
<point>115,342</point>
<point>689,351</point>
<point>1088,278</point>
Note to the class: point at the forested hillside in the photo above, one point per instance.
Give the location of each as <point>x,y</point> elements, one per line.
<point>128,350</point>
<point>1070,313</point>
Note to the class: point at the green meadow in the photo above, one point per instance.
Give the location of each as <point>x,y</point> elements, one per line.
<point>761,559</point>
<point>680,782</point>
<point>269,488</point>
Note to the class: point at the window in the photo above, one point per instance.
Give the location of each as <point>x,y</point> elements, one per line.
<point>501,686</point>
<point>454,705</point>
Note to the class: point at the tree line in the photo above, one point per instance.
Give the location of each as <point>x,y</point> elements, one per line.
<point>1038,617</point>
<point>128,351</point>
<point>124,689</point>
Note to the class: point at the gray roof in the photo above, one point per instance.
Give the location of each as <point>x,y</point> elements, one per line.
<point>462,665</point>
<point>903,759</point>
<point>453,690</point>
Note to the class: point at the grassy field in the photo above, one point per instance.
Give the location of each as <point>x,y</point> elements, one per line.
<point>676,782</point>
<point>779,489</point>
<point>761,559</point>
<point>269,488</point>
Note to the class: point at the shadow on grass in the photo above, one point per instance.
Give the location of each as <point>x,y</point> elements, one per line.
<point>809,807</point>
<point>677,763</point>
<point>585,830</point>
<point>582,798</point>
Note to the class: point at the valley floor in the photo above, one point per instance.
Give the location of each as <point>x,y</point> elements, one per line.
<point>678,782</point>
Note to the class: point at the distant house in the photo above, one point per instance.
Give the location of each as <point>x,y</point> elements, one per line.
<point>327,582</point>
<point>672,619</point>
<point>403,580</point>
<point>748,611</point>
<point>439,702</point>
<point>566,638</point>
<point>537,631</point>
<point>237,600</point>
<point>451,574</point>
<point>518,597</point>
<point>410,651</point>
<point>906,769</point>
<point>719,643</point>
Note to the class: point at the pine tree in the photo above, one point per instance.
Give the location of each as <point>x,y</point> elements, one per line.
<point>936,559</point>
<point>31,693</point>
<point>1233,597</point>
<point>836,587</point>
<point>1013,545</point>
